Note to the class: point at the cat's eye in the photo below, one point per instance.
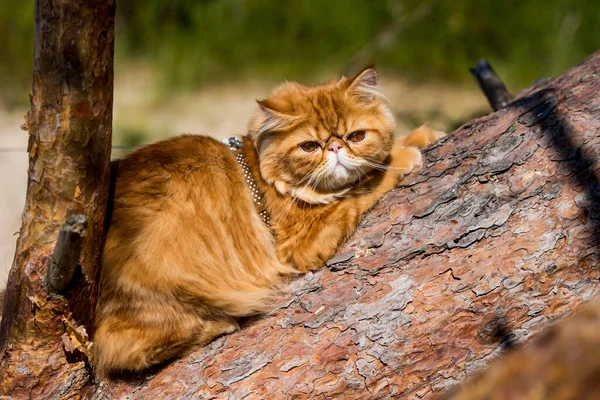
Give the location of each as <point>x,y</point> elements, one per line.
<point>309,147</point>
<point>357,136</point>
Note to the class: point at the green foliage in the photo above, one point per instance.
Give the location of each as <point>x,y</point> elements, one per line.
<point>132,137</point>
<point>194,42</point>
<point>16,49</point>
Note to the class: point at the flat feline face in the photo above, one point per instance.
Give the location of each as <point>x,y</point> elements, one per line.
<point>324,137</point>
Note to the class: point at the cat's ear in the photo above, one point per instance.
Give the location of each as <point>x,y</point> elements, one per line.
<point>273,118</point>
<point>363,87</point>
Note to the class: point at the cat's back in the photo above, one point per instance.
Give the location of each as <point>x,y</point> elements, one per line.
<point>171,168</point>
<point>185,252</point>
<point>176,157</point>
<point>167,191</point>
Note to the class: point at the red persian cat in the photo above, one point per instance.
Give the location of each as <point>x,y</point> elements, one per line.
<point>200,235</point>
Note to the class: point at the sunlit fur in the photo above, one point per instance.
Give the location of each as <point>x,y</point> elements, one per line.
<point>186,252</point>
<point>326,114</point>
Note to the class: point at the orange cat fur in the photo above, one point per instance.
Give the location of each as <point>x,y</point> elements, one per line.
<point>186,252</point>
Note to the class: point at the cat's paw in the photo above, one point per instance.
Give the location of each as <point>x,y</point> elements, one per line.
<point>405,159</point>
<point>422,137</point>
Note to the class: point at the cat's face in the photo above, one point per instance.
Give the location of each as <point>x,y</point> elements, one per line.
<point>324,137</point>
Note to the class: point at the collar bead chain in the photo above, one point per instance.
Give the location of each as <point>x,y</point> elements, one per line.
<point>235,145</point>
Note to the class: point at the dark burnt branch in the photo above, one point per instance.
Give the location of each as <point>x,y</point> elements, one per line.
<point>64,259</point>
<point>492,86</point>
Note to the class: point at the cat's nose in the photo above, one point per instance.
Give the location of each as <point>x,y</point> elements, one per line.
<point>335,147</point>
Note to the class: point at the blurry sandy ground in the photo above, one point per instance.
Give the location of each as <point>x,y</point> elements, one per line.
<point>13,182</point>
<point>220,111</point>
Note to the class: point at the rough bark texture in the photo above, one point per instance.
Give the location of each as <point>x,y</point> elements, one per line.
<point>560,363</point>
<point>496,238</point>
<point>44,339</point>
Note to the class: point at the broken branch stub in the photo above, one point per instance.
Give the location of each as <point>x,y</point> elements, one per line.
<point>65,258</point>
<point>491,84</point>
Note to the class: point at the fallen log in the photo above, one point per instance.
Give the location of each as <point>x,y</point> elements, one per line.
<point>495,239</point>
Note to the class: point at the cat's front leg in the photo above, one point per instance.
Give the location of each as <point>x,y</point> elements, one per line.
<point>403,160</point>
<point>405,156</point>
<point>421,137</point>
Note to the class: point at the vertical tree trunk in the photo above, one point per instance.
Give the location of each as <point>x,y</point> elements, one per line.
<point>44,339</point>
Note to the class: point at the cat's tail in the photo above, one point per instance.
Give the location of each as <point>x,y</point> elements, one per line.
<point>135,342</point>
<point>250,295</point>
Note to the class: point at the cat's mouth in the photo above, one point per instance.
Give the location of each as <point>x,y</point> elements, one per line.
<point>337,167</point>
<point>341,173</point>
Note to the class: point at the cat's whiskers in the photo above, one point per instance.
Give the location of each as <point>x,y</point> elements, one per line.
<point>322,175</point>
<point>318,176</point>
<point>288,207</point>
<point>362,172</point>
<point>314,177</point>
<point>378,165</point>
<point>312,184</point>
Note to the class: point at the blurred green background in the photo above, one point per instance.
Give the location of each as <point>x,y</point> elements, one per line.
<point>197,66</point>
<point>191,43</point>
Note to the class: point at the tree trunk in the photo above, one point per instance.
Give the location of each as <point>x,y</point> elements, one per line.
<point>43,338</point>
<point>495,238</point>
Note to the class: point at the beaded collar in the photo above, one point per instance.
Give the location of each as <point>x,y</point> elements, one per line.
<point>235,145</point>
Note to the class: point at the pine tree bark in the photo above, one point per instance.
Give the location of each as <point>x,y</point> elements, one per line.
<point>560,363</point>
<point>43,338</point>
<point>495,239</point>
